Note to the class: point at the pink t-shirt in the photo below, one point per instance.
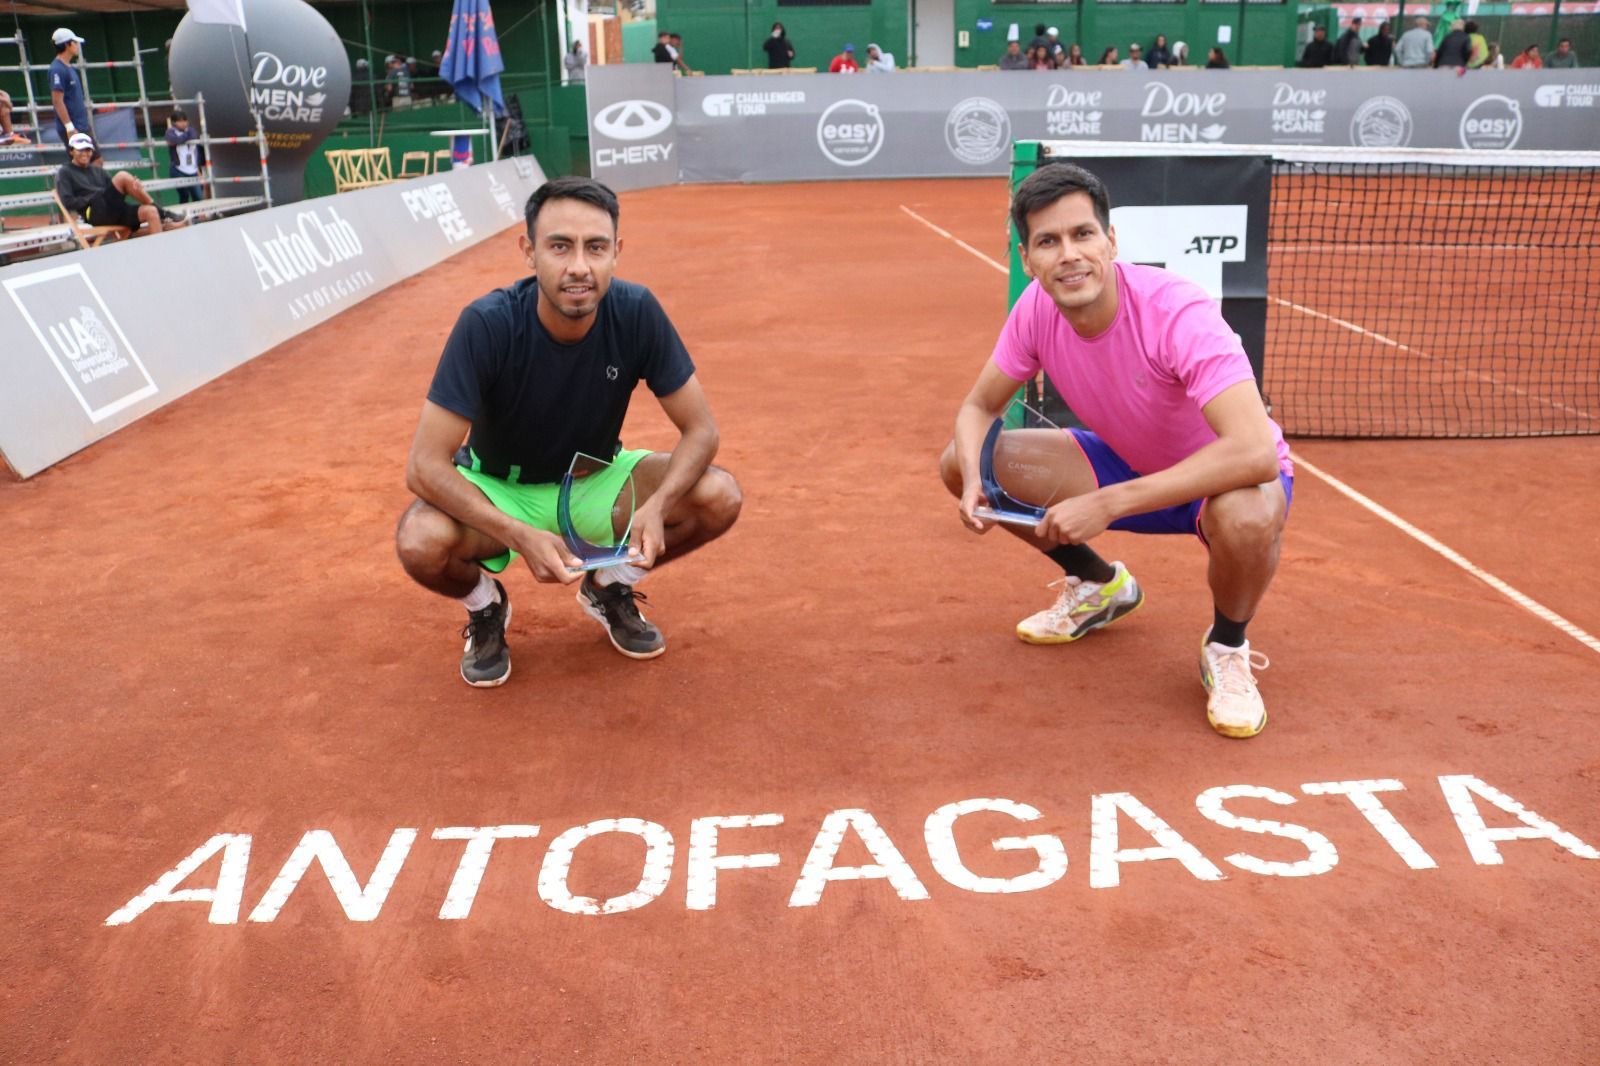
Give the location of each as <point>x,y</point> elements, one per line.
<point>1141,384</point>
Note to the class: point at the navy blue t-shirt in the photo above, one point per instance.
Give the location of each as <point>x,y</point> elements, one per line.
<point>64,80</point>
<point>534,402</point>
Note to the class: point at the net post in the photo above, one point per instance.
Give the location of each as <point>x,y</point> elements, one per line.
<point>1024,161</point>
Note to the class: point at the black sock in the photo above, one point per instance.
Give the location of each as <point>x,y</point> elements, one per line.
<point>1226,631</point>
<point>1082,562</point>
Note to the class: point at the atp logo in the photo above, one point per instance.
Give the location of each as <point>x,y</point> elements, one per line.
<point>1192,240</point>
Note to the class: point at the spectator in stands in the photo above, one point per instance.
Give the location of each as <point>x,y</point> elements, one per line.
<point>1075,56</point>
<point>1041,38</point>
<point>361,88</point>
<point>1180,54</point>
<point>1529,59</point>
<point>1039,58</point>
<point>1135,60</point>
<point>879,61</point>
<point>663,52</point>
<point>676,40</point>
<point>1563,58</point>
<point>1159,55</point>
<point>1108,58</point>
<point>1319,52</point>
<point>1013,58</point>
<point>1054,48</point>
<point>66,91</point>
<point>1380,50</point>
<point>397,82</point>
<point>1347,52</point>
<point>8,135</point>
<point>1456,47</point>
<point>1497,59</point>
<point>575,62</point>
<point>780,52</point>
<point>101,198</point>
<point>183,155</point>
<point>1216,60</point>
<point>845,61</point>
<point>1478,46</point>
<point>1414,50</point>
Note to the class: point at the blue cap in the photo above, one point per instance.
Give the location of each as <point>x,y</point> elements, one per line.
<point>849,48</point>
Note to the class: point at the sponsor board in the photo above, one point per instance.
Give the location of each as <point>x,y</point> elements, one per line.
<point>437,202</point>
<point>1574,95</point>
<point>1493,122</point>
<point>1381,122</point>
<point>977,130</point>
<point>850,132</point>
<point>287,92</point>
<point>1072,112</point>
<point>503,199</point>
<point>732,105</point>
<point>314,257</point>
<point>82,338</point>
<point>633,120</point>
<point>1299,115</point>
<point>1181,116</point>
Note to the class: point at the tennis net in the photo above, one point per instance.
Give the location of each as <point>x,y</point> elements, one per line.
<point>1429,293</point>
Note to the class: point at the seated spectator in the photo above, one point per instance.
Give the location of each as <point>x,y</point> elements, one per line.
<point>183,155</point>
<point>879,61</point>
<point>1529,59</point>
<point>1455,48</point>
<point>1054,48</point>
<point>1216,59</point>
<point>1075,56</point>
<point>1380,49</point>
<point>1319,53</point>
<point>101,198</point>
<point>1039,58</point>
<point>1496,60</point>
<point>1135,60</point>
<point>1415,47</point>
<point>1563,58</point>
<point>7,134</point>
<point>1108,58</point>
<point>1013,59</point>
<point>844,62</point>
<point>1159,55</point>
<point>1180,54</point>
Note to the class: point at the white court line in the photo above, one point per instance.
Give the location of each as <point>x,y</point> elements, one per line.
<point>1488,379</point>
<point>1526,602</point>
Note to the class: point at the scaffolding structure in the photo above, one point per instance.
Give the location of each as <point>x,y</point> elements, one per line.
<point>151,147</point>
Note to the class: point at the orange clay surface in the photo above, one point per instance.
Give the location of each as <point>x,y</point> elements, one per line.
<point>206,633</point>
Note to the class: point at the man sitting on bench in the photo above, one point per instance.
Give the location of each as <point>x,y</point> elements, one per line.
<point>8,136</point>
<point>102,199</point>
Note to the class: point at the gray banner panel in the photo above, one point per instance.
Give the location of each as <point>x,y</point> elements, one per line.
<point>95,340</point>
<point>632,131</point>
<point>937,125</point>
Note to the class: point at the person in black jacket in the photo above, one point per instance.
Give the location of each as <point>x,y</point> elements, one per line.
<point>1380,50</point>
<point>780,53</point>
<point>1319,53</point>
<point>1347,53</point>
<point>1217,59</point>
<point>1456,47</point>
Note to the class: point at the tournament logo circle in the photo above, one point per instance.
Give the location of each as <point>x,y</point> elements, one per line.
<point>1491,122</point>
<point>977,130</point>
<point>850,132</point>
<point>1381,122</point>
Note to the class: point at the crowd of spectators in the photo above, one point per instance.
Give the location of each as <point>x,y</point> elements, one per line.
<point>1046,51</point>
<point>1463,48</point>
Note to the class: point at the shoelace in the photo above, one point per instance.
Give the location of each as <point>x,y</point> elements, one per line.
<point>1231,670</point>
<point>627,599</point>
<point>1074,592</point>
<point>476,619</point>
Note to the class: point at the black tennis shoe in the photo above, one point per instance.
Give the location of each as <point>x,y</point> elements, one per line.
<point>486,661</point>
<point>616,606</point>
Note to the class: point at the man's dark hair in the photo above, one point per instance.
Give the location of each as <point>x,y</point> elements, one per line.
<point>1050,183</point>
<point>1471,27</point>
<point>586,190</point>
<point>63,46</point>
<point>1038,29</point>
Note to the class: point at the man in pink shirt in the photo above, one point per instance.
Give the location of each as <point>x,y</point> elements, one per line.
<point>1178,439</point>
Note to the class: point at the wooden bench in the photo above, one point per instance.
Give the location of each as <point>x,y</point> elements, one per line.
<point>88,236</point>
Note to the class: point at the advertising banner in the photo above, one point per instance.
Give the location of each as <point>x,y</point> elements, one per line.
<point>633,134</point>
<point>98,339</point>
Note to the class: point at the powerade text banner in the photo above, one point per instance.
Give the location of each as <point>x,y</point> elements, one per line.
<point>95,340</point>
<point>803,127</point>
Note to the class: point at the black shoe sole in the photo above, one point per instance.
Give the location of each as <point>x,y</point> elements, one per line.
<point>503,678</point>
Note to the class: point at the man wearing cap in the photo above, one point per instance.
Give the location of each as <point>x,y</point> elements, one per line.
<point>398,82</point>
<point>66,91</point>
<point>1013,58</point>
<point>1053,46</point>
<point>1135,60</point>
<point>101,198</point>
<point>879,61</point>
<point>844,62</point>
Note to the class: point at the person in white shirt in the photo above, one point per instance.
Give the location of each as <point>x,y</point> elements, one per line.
<point>879,61</point>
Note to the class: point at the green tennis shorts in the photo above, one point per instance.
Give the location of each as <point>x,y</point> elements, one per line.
<point>536,504</point>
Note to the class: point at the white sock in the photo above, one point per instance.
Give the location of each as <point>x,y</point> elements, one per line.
<point>626,574</point>
<point>482,595</point>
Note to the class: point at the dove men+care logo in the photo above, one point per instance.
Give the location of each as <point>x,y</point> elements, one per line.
<point>1173,117</point>
<point>287,92</point>
<point>1299,116</point>
<point>1073,112</point>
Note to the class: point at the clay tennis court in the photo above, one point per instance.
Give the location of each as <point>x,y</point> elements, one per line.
<point>209,637</point>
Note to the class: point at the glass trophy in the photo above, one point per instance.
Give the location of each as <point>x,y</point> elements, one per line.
<point>590,508</point>
<point>1023,466</point>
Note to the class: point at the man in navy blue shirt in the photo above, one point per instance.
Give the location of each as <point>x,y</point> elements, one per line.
<point>533,375</point>
<point>66,91</point>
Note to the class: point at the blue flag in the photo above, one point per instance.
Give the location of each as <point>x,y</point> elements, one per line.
<point>472,63</point>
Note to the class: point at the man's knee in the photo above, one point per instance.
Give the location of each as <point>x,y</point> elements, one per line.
<point>717,500</point>
<point>1247,520</point>
<point>950,469</point>
<point>424,539</point>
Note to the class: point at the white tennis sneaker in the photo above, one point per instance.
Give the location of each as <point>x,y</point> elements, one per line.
<point>1234,708</point>
<point>1082,607</point>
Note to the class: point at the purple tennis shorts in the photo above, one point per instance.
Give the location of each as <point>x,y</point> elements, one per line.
<point>1111,469</point>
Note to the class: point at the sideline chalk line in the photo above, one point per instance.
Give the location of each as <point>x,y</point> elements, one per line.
<point>1521,599</point>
